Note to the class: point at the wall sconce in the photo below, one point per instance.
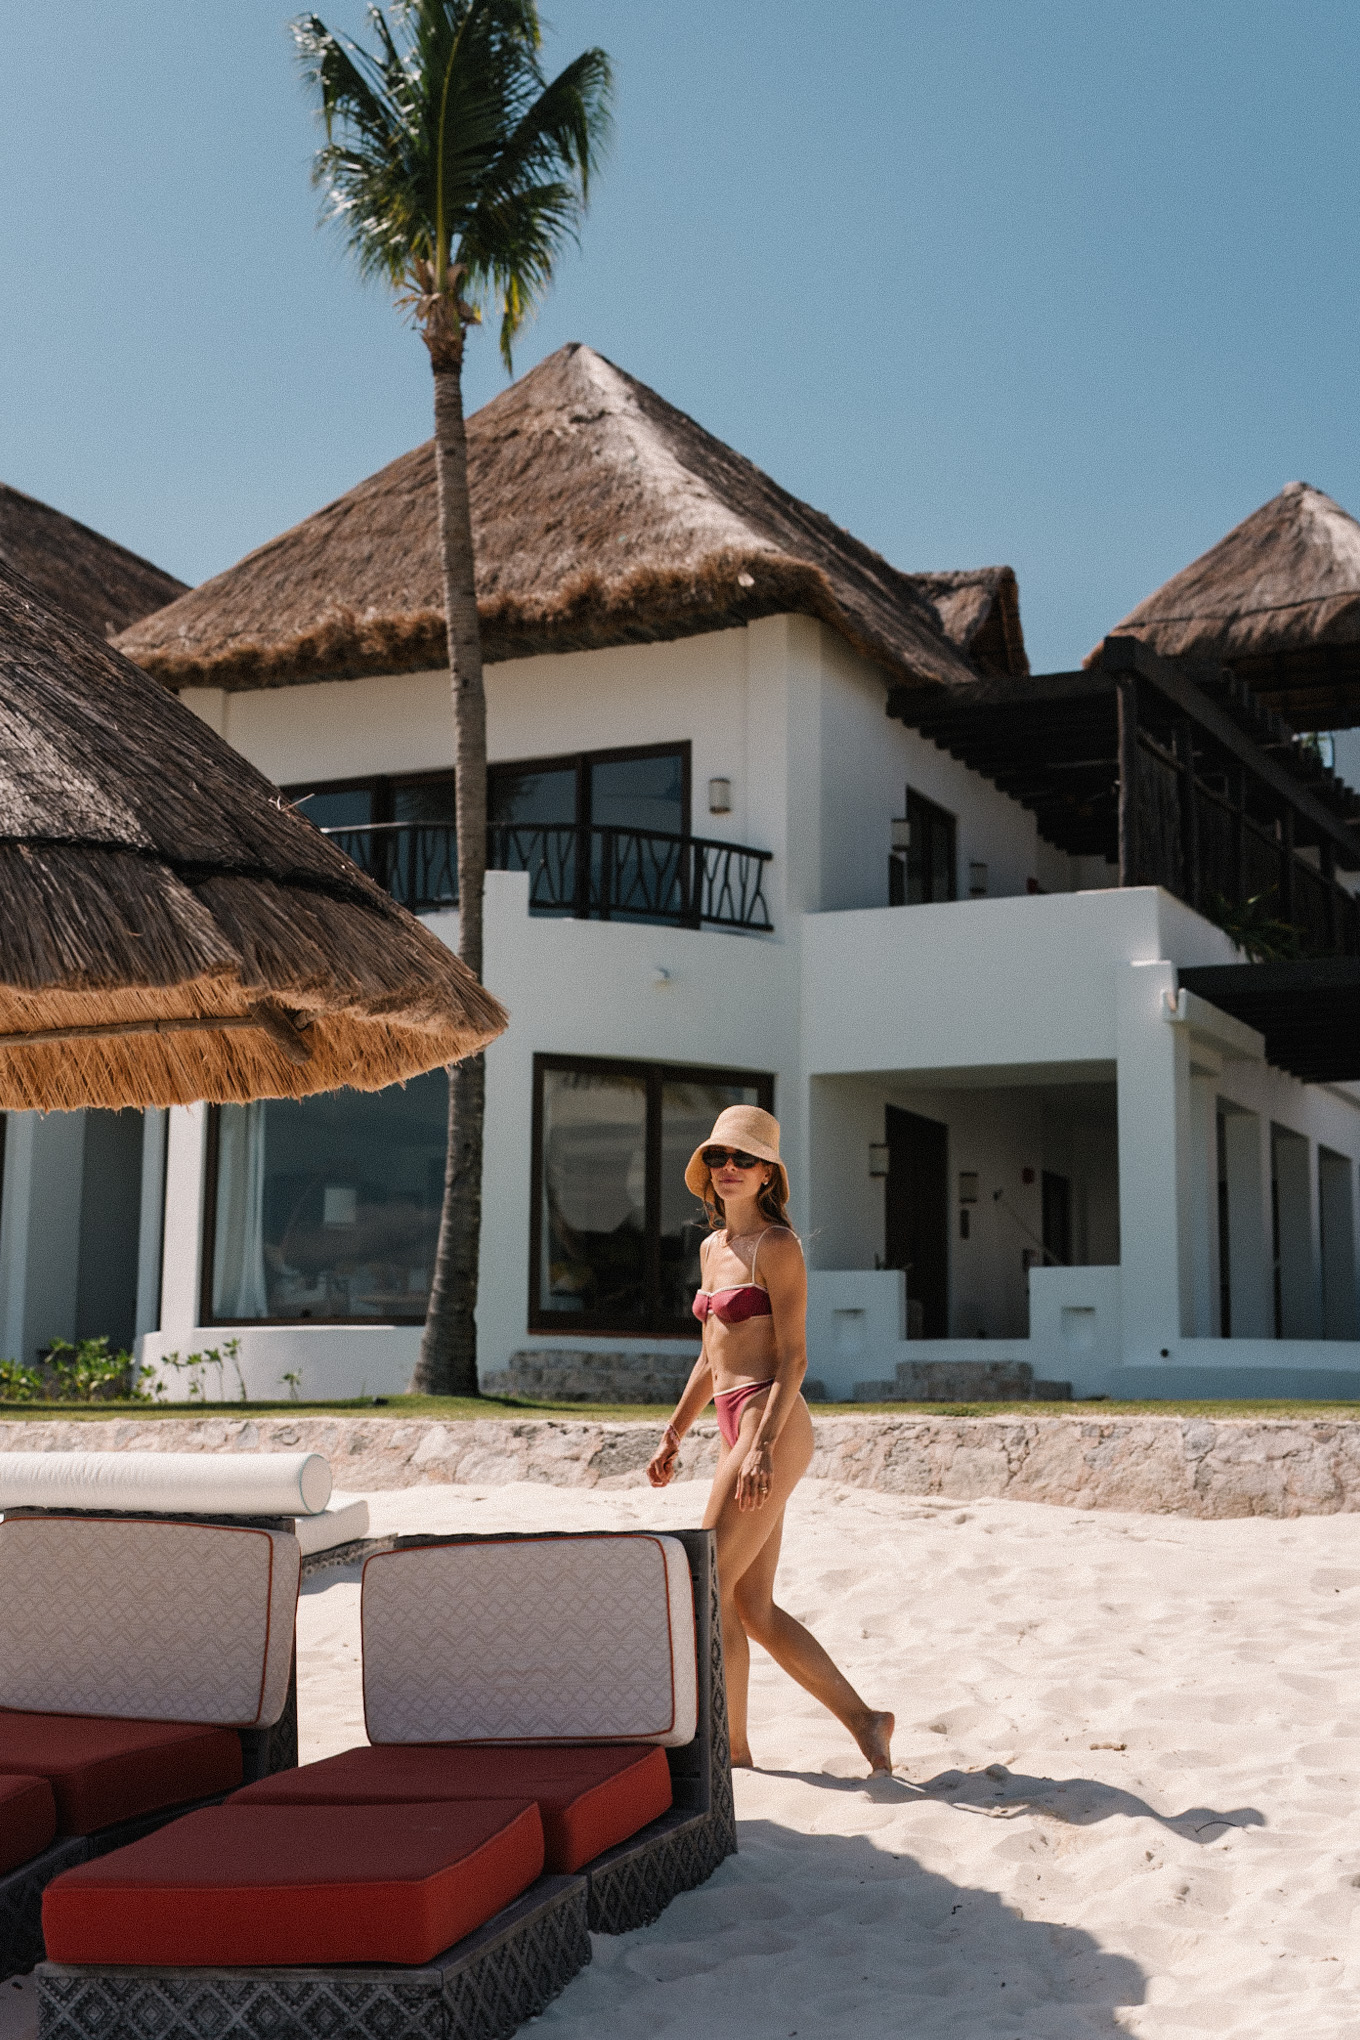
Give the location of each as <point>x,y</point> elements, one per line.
<point>878,1158</point>
<point>720,796</point>
<point>968,1186</point>
<point>977,881</point>
<point>901,832</point>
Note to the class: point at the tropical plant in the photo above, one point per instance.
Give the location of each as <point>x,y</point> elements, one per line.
<point>1255,926</point>
<point>457,171</point>
<point>84,1372</point>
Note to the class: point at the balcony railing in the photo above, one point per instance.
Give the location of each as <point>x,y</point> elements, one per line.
<point>604,874</point>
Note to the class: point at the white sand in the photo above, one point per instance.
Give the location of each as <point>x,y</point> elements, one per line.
<point>1203,1879</point>
<point>1011,1880</point>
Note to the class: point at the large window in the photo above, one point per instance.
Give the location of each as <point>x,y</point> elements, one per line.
<point>615,1233</point>
<point>357,803</point>
<point>637,789</point>
<point>640,789</point>
<point>326,1208</point>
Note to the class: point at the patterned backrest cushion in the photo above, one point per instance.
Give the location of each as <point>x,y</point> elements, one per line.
<point>533,1639</point>
<point>151,1621</point>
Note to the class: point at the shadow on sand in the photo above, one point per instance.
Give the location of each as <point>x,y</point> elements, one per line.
<point>816,1933</point>
<point>1078,1802</point>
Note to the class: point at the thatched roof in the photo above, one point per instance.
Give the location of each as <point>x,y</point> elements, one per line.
<point>101,584</point>
<point>150,877</point>
<point>1277,600</point>
<point>602,516</point>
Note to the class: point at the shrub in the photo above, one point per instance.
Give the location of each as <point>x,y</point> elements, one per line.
<point>86,1372</point>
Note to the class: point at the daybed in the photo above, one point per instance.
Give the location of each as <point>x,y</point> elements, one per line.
<point>547,1753</point>
<point>146,1666</point>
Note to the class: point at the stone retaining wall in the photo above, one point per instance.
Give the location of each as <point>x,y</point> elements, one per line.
<point>1192,1466</point>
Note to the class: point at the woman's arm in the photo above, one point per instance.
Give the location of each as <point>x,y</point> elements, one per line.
<point>785,1274</point>
<point>697,1394</point>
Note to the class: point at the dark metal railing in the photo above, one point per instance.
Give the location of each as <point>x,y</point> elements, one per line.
<point>604,874</point>
<point>1200,842</point>
<point>1236,831</point>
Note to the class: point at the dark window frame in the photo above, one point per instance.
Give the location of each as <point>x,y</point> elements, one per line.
<point>207,1318</point>
<point>382,785</point>
<point>653,1075</point>
<point>921,813</point>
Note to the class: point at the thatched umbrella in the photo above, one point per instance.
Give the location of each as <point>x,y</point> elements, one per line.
<point>79,571</point>
<point>169,928</point>
<point>602,516</point>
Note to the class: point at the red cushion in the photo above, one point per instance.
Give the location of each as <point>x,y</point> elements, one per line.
<point>259,1884</point>
<point>28,1819</point>
<point>103,1770</point>
<point>589,1797</point>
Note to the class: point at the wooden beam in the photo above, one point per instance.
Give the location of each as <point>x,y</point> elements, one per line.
<point>268,1019</point>
<point>1184,739</point>
<point>1127,738</point>
<point>1126,657</point>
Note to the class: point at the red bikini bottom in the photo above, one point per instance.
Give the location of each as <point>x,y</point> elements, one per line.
<point>732,1402</point>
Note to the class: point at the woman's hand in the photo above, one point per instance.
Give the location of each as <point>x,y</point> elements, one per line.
<point>661,1467</point>
<point>753,1482</point>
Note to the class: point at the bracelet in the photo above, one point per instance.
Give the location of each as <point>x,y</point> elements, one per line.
<point>671,1432</point>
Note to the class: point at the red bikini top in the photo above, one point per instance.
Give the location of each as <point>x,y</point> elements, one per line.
<point>733,1306</point>
<point>743,1300</point>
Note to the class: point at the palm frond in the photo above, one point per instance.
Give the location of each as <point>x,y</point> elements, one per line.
<point>447,143</point>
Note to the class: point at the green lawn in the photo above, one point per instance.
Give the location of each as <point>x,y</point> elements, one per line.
<point>455,1409</point>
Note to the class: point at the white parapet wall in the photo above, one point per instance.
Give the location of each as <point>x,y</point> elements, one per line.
<point>856,1320</point>
<point>329,1363</point>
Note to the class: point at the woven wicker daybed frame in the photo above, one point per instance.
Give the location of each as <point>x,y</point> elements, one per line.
<point>263,1751</point>
<point>491,1982</point>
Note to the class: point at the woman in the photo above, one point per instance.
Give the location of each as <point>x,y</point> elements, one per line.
<point>753,1307</point>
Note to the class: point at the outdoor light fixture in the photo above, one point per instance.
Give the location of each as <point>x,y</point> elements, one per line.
<point>977,881</point>
<point>901,833</point>
<point>720,796</point>
<point>968,1186</point>
<point>878,1158</point>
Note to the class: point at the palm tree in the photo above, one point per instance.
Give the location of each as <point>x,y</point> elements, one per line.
<point>457,172</point>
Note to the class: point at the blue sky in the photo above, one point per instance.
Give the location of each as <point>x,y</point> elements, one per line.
<point>1072,286</point>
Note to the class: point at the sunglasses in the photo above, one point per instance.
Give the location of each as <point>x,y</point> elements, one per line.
<point>715,1157</point>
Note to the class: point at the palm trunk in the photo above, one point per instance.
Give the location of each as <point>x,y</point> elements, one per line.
<point>448,1347</point>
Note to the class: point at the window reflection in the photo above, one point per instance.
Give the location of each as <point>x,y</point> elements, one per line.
<point>594,1195</point>
<point>618,1232</point>
<point>687,1115</point>
<point>349,807</point>
<point>328,1207</point>
<point>639,793</point>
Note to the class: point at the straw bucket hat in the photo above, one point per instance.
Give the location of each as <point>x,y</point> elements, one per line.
<point>750,1131</point>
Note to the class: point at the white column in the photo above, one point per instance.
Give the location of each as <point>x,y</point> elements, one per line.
<point>1245,1140</point>
<point>1203,1167</point>
<point>1153,1074</point>
<point>1300,1271</point>
<point>1336,1205</point>
<point>184,1185</point>
<point>151,1223</point>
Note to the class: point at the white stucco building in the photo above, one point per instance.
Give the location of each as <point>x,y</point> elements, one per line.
<point>751,842</point>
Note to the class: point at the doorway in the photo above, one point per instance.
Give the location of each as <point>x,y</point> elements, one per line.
<point>916,1217</point>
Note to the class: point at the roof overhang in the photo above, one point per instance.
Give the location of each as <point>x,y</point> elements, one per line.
<point>1308,1012</point>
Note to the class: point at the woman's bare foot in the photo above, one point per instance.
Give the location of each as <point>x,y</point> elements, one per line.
<point>742,1760</point>
<point>875,1739</point>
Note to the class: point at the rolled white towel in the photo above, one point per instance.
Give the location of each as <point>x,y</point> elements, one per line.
<point>180,1483</point>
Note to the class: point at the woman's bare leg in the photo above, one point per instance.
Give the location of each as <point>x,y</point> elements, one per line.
<point>748,1556</point>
